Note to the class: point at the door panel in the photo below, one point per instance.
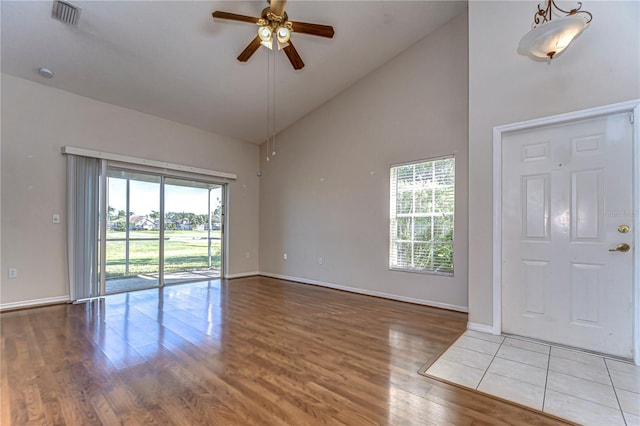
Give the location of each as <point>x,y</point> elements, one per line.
<point>586,282</point>
<point>535,191</point>
<point>536,275</point>
<point>586,205</point>
<point>132,244</point>
<point>193,234</point>
<point>566,189</point>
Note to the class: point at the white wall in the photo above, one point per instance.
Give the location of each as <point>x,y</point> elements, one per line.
<point>38,120</point>
<point>326,193</point>
<point>601,67</point>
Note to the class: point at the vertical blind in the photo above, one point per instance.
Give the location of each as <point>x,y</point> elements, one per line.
<point>422,213</point>
<point>83,201</point>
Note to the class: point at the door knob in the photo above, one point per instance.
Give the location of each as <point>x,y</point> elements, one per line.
<point>623,229</point>
<point>623,247</point>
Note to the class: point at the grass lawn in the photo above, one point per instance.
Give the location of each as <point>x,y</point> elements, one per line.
<point>184,251</point>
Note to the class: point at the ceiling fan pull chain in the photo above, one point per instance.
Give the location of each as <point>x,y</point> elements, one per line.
<point>273,112</point>
<point>268,100</point>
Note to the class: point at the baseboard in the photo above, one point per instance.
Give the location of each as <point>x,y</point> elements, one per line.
<point>369,292</point>
<point>33,303</point>
<point>242,275</point>
<point>483,328</point>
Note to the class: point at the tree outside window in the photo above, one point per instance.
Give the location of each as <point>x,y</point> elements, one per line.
<point>422,212</point>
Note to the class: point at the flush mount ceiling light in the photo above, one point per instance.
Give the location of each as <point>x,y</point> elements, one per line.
<point>549,37</point>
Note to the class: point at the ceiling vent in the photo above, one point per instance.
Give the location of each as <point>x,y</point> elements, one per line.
<point>65,12</point>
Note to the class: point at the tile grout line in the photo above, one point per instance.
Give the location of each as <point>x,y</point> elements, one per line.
<point>586,400</point>
<point>505,343</point>
<point>546,379</point>
<point>522,362</point>
<point>624,419</point>
<point>468,349</point>
<point>480,338</point>
<point>515,379</point>
<point>454,344</point>
<point>488,366</point>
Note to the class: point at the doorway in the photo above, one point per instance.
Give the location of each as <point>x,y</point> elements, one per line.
<point>565,246</point>
<point>160,230</point>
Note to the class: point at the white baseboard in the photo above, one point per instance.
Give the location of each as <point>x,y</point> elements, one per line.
<point>33,303</point>
<point>369,292</point>
<point>483,328</point>
<point>471,326</point>
<point>242,275</point>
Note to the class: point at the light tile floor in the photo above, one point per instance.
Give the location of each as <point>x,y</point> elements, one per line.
<point>578,386</point>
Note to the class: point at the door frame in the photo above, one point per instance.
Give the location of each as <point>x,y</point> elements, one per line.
<point>632,107</point>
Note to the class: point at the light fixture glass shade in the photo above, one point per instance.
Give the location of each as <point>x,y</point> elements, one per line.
<point>264,33</point>
<point>283,34</point>
<point>549,39</point>
<point>282,45</point>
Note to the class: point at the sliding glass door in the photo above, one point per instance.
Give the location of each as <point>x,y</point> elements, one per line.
<point>132,237</point>
<point>160,230</point>
<point>193,222</point>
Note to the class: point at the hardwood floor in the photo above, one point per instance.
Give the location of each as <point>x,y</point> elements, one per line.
<point>248,351</point>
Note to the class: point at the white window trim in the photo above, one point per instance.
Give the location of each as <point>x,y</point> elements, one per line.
<point>421,271</point>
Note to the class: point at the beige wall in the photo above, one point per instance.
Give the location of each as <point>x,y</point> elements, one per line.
<point>601,67</point>
<point>326,193</point>
<point>38,120</point>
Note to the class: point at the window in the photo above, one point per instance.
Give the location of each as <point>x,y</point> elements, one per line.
<point>421,208</point>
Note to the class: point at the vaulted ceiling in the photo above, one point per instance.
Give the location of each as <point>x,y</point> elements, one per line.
<point>172,60</point>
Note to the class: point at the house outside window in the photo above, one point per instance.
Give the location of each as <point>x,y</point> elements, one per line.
<point>422,216</point>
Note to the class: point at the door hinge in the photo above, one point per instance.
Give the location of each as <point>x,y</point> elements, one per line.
<point>631,118</point>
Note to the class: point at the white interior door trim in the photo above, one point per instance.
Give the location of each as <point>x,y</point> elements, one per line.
<point>632,106</point>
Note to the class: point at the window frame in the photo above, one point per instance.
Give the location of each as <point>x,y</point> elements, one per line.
<point>393,222</point>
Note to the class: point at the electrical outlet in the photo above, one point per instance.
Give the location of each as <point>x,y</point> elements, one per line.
<point>13,273</point>
<point>284,256</point>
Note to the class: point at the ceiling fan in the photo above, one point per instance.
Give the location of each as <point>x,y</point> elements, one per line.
<point>274,30</point>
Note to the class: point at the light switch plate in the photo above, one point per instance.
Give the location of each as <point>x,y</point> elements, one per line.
<point>56,218</point>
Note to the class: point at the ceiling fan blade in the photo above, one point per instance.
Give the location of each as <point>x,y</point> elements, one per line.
<point>277,7</point>
<point>293,56</point>
<point>313,29</point>
<point>234,17</point>
<point>249,50</point>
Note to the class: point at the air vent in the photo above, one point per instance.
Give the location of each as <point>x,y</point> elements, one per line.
<point>66,12</point>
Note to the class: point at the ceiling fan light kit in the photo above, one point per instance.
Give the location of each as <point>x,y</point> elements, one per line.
<point>548,37</point>
<point>264,33</point>
<point>284,34</point>
<point>274,27</point>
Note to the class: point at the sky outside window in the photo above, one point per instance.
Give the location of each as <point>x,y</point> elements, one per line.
<point>147,196</point>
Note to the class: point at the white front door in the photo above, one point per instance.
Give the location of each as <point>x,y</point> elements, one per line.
<point>567,197</point>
